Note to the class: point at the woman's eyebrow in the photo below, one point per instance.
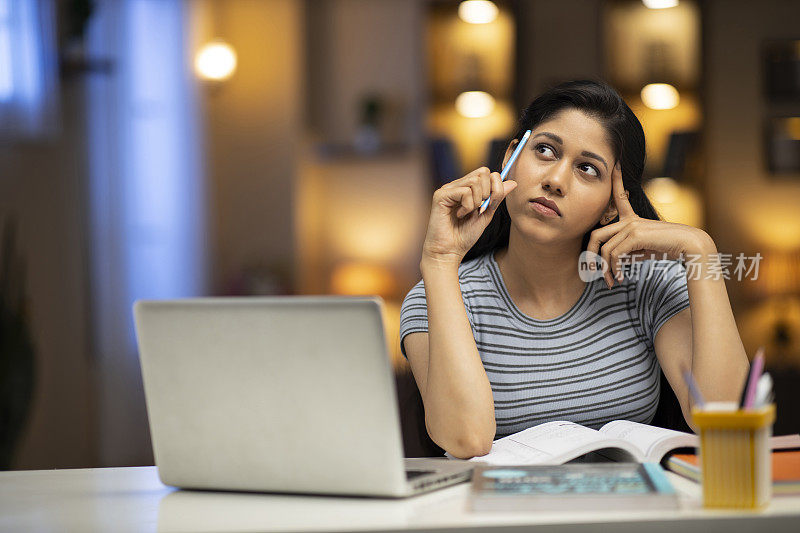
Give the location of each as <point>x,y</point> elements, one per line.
<point>549,135</point>
<point>595,156</point>
<point>558,139</point>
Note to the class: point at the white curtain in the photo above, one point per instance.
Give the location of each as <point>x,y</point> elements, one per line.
<point>147,196</point>
<point>28,69</point>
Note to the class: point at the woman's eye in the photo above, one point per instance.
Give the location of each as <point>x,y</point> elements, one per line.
<point>545,150</point>
<point>589,169</point>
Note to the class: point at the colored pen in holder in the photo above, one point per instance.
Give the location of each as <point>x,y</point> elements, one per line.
<point>735,456</point>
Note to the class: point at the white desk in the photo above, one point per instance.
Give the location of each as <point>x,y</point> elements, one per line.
<point>133,499</point>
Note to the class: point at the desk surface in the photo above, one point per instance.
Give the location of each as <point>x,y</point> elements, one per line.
<point>133,499</point>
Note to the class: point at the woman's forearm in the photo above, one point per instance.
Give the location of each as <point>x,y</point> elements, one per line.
<point>719,360</point>
<point>459,407</point>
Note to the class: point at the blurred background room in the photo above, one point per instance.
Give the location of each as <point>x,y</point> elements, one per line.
<point>167,148</point>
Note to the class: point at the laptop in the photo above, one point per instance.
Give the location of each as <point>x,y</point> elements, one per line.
<point>290,394</point>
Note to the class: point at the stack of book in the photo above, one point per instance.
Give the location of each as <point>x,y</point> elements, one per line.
<point>785,470</point>
<point>615,467</point>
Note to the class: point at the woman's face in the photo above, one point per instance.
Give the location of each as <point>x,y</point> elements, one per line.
<point>569,161</point>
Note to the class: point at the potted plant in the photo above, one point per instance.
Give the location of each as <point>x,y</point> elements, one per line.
<point>16,348</point>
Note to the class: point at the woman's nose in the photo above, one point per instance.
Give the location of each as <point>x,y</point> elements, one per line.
<point>557,179</point>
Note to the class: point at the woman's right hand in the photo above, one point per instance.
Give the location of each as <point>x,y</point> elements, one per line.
<point>455,223</point>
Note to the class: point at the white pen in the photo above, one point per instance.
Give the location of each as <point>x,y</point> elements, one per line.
<point>508,166</point>
<point>694,390</point>
<point>763,391</point>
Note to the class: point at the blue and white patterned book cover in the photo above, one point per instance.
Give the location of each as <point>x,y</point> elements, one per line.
<point>553,487</point>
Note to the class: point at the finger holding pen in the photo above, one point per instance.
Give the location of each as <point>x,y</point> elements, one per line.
<point>507,168</point>
<point>489,187</point>
<point>455,225</point>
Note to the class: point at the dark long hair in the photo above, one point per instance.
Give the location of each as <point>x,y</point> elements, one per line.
<point>625,133</point>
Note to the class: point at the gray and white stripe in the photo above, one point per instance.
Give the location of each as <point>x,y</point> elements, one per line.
<point>593,364</point>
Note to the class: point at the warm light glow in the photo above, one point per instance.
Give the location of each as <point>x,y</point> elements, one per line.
<point>662,190</point>
<point>758,320</point>
<point>779,273</point>
<point>659,125</point>
<point>391,324</point>
<point>660,96</point>
<point>471,136</point>
<point>370,233</point>
<point>772,222</point>
<point>474,104</point>
<point>363,279</point>
<point>477,11</point>
<point>793,128</point>
<point>660,4</point>
<point>675,202</point>
<point>215,61</point>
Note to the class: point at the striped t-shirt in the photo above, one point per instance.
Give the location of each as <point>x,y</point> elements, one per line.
<point>593,364</point>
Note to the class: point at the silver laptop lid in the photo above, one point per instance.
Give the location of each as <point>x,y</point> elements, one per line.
<point>287,394</point>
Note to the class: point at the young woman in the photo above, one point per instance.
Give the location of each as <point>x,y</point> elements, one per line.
<point>502,333</point>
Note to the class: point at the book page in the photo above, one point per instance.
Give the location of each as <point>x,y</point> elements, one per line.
<point>548,443</point>
<point>785,442</point>
<point>653,442</point>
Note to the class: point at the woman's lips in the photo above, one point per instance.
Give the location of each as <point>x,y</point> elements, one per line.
<point>543,209</point>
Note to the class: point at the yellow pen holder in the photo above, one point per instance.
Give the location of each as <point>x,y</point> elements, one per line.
<point>735,456</point>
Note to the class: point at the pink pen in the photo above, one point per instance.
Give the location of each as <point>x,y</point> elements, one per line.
<point>755,374</point>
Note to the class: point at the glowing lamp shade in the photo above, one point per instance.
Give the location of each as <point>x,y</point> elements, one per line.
<point>660,96</point>
<point>474,104</point>
<point>357,278</point>
<point>215,61</point>
<point>660,4</point>
<point>477,11</point>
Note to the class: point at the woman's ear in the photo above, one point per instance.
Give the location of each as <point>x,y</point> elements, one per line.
<point>509,151</point>
<point>609,214</point>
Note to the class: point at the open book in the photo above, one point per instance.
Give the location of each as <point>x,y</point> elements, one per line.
<point>558,442</point>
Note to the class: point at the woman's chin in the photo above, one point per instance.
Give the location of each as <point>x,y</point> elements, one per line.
<point>535,232</point>
<point>540,234</point>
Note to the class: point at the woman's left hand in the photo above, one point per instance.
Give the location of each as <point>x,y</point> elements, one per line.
<point>636,236</point>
